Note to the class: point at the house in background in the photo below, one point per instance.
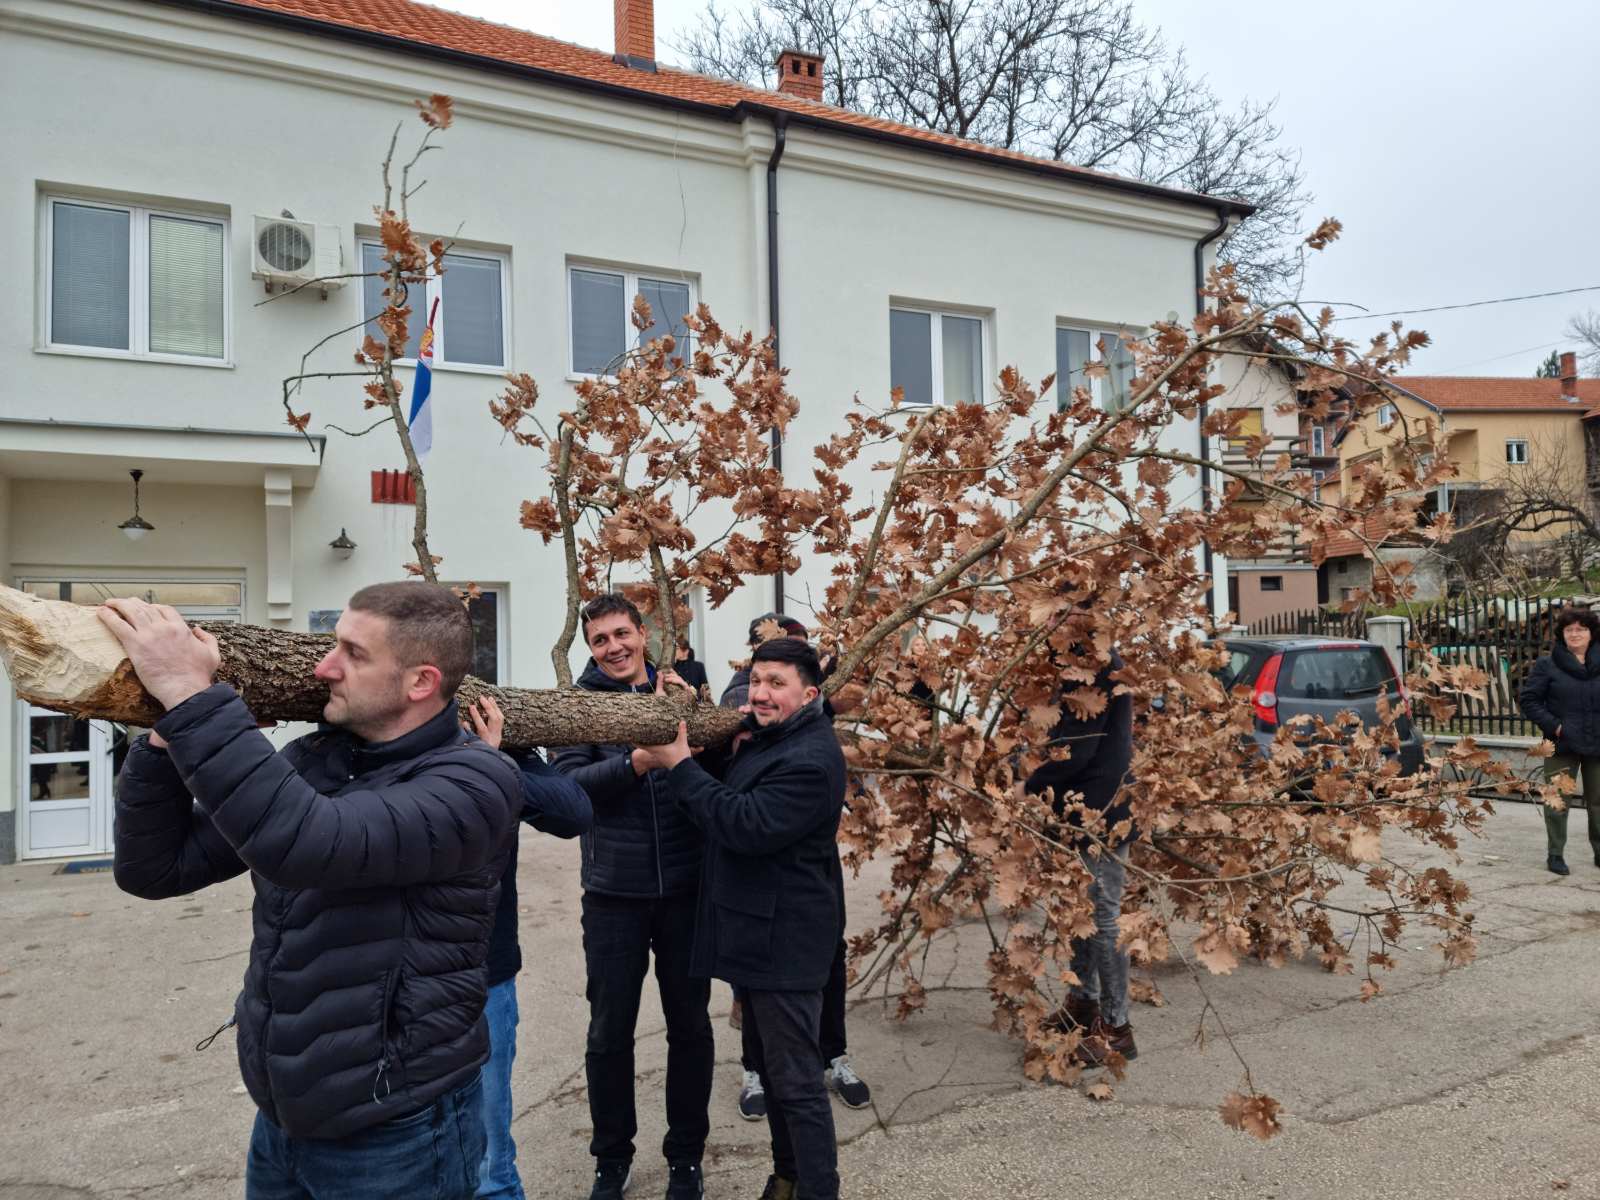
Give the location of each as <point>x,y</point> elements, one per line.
<point>142,206</point>
<point>1495,429</point>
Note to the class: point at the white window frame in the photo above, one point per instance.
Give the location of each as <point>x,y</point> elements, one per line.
<point>1514,448</point>
<point>138,280</point>
<point>502,626</point>
<point>936,338</point>
<point>1386,415</point>
<point>630,291</point>
<point>1319,442</point>
<point>433,289</point>
<point>1097,387</point>
<point>1316,485</point>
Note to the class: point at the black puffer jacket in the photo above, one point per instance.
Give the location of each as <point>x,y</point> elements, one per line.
<point>1560,692</point>
<point>641,844</point>
<point>1100,749</point>
<point>772,906</point>
<point>376,869</point>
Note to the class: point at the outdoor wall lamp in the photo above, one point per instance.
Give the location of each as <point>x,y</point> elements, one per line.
<point>136,526</point>
<point>342,546</point>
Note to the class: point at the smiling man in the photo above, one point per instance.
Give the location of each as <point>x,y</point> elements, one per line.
<point>772,900</point>
<point>375,847</point>
<point>641,872</point>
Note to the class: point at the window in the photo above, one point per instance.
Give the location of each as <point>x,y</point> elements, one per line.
<point>1385,415</point>
<point>1316,484</point>
<point>470,329</point>
<point>1077,346</point>
<point>136,282</point>
<point>488,616</point>
<point>600,307</point>
<point>936,357</point>
<point>1318,441</point>
<point>1517,451</point>
<point>1249,427</point>
<point>1272,583</point>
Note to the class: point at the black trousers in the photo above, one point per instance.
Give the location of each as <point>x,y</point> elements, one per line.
<point>619,935</point>
<point>788,1058</point>
<point>832,1033</point>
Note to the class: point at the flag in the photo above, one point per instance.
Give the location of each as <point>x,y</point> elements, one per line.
<point>421,420</point>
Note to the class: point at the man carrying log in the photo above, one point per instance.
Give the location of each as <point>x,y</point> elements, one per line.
<point>376,849</point>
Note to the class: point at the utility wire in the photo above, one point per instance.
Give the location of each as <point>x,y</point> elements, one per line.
<point>1409,312</point>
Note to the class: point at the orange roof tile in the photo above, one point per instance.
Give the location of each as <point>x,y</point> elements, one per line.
<point>1465,392</point>
<point>423,28</point>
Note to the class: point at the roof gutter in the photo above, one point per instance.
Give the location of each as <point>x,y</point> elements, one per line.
<point>1224,218</point>
<point>780,140</point>
<point>716,112</point>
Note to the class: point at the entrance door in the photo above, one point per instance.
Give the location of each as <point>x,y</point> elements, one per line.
<point>69,766</point>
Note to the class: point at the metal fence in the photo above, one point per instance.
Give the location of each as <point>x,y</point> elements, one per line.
<point>1501,636</point>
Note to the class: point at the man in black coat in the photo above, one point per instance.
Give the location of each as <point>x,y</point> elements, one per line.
<point>772,899</point>
<point>1099,750</point>
<point>641,871</point>
<point>376,849</point>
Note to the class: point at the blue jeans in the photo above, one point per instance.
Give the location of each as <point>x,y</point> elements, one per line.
<point>1101,968</point>
<point>498,1179</point>
<point>430,1155</point>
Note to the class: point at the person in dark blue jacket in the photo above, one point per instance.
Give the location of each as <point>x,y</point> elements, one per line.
<point>772,897</point>
<point>552,804</point>
<point>1562,697</point>
<point>641,873</point>
<point>1099,751</point>
<point>376,849</point>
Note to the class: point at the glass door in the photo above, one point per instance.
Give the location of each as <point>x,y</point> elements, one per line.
<point>69,766</point>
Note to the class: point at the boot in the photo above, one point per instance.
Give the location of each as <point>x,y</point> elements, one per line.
<point>1076,1013</point>
<point>1103,1040</point>
<point>778,1188</point>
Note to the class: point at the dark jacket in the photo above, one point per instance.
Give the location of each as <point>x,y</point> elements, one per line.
<point>1561,691</point>
<point>692,671</point>
<point>772,900</point>
<point>737,693</point>
<point>1101,751</point>
<point>641,844</point>
<point>376,869</point>
<point>552,804</point>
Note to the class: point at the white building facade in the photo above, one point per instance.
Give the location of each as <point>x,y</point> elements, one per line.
<point>134,336</point>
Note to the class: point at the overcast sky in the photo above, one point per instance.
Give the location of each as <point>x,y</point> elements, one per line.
<point>1449,137</point>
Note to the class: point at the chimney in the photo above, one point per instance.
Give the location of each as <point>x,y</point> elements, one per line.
<point>1569,375</point>
<point>636,34</point>
<point>799,74</point>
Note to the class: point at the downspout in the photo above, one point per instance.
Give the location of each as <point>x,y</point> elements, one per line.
<point>780,133</point>
<point>1205,409</point>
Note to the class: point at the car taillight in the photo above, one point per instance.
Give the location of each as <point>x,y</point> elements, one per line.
<point>1264,693</point>
<point>1405,696</point>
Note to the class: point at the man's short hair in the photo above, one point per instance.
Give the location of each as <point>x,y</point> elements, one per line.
<point>788,650</point>
<point>609,605</point>
<point>428,625</point>
<point>789,626</point>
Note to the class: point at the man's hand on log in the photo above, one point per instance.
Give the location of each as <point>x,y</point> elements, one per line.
<point>666,757</point>
<point>172,660</point>
<point>488,722</point>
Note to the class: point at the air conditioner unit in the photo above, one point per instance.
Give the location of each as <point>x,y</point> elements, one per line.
<point>287,253</point>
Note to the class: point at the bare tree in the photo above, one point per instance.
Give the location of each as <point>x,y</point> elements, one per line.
<point>1079,81</point>
<point>1585,330</point>
<point>1549,498</point>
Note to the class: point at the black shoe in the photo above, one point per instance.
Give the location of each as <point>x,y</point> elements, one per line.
<point>611,1179</point>
<point>684,1181</point>
<point>752,1098</point>
<point>1558,865</point>
<point>778,1188</point>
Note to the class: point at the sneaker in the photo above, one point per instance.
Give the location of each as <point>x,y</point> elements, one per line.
<point>611,1179</point>
<point>1557,865</point>
<point>778,1188</point>
<point>1102,1040</point>
<point>684,1181</point>
<point>846,1084</point>
<point>752,1098</point>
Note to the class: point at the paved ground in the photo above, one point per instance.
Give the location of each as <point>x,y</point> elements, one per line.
<point>1482,1083</point>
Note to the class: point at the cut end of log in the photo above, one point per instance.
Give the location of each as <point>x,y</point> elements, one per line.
<point>60,656</point>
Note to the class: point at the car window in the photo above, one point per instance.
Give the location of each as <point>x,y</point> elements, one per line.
<point>1243,665</point>
<point>1335,674</point>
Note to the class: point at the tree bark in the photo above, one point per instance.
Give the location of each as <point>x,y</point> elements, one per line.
<point>61,657</point>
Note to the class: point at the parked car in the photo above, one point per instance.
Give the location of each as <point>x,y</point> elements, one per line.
<point>1319,677</point>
